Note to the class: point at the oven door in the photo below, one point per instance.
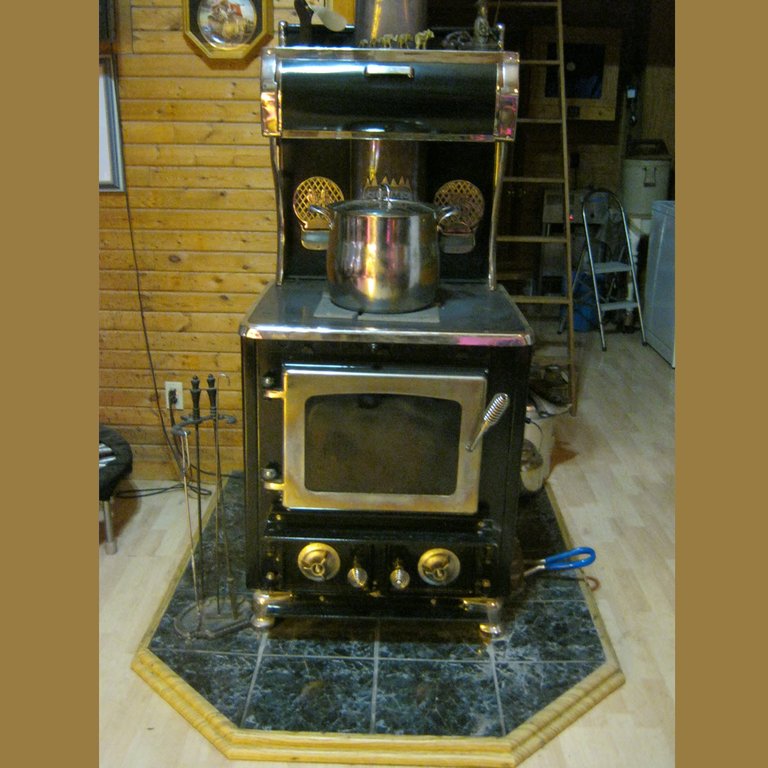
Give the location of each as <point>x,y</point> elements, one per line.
<point>381,438</point>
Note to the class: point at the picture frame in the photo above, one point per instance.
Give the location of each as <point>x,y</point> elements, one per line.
<point>228,29</point>
<point>592,57</point>
<point>111,175</point>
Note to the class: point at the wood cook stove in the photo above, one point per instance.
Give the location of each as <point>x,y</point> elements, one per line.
<point>382,451</point>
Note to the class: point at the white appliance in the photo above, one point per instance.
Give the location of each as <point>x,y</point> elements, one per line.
<point>659,304</point>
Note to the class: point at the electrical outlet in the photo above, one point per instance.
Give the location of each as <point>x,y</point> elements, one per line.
<point>179,389</point>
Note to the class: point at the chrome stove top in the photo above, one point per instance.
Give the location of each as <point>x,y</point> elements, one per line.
<point>466,313</point>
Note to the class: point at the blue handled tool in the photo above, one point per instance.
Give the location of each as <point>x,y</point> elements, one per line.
<point>563,561</point>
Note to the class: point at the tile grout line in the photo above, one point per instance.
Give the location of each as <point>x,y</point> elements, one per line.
<point>492,655</point>
<point>375,685</point>
<point>252,686</point>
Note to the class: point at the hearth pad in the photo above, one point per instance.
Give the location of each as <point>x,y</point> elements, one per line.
<point>397,693</point>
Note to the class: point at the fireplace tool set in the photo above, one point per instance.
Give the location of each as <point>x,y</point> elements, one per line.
<point>218,610</point>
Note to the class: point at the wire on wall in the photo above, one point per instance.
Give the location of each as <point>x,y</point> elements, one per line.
<point>137,271</point>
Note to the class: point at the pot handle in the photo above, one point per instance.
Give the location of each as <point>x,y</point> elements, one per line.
<point>326,213</point>
<point>445,212</point>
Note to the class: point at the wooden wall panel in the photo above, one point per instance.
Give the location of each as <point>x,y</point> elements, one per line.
<point>192,240</point>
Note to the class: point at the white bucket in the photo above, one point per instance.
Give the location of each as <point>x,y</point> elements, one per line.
<point>643,182</point>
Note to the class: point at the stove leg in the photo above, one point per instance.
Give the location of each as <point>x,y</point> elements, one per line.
<point>492,626</point>
<point>261,601</point>
<point>492,607</point>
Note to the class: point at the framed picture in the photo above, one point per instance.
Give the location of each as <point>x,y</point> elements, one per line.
<point>111,177</point>
<point>228,29</point>
<point>591,73</point>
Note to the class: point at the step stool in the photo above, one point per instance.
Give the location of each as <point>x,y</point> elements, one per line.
<point>109,477</point>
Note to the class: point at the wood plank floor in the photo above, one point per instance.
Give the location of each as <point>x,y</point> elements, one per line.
<point>613,477</point>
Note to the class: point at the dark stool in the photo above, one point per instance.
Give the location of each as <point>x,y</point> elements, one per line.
<point>109,476</point>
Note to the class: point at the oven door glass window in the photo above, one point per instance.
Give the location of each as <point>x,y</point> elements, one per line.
<point>381,439</point>
<point>382,443</point>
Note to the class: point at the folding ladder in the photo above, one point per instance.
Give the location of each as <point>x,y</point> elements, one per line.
<point>608,290</point>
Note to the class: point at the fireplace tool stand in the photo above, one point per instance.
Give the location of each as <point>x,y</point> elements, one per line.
<point>209,615</point>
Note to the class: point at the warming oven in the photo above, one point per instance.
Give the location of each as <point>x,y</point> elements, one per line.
<point>382,447</point>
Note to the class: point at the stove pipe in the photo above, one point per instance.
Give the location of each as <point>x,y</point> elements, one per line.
<point>376,18</point>
<point>380,161</point>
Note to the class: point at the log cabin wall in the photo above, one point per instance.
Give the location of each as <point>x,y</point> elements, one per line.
<point>192,242</point>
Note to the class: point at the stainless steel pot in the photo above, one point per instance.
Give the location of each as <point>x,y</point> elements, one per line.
<point>383,254</point>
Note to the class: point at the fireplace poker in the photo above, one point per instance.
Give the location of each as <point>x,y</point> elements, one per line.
<point>195,392</point>
<point>221,527</point>
<point>184,468</point>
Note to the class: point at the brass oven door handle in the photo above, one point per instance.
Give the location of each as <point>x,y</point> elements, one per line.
<point>491,415</point>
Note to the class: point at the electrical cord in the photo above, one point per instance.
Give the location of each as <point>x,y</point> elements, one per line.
<point>137,493</point>
<point>174,454</point>
<point>172,445</point>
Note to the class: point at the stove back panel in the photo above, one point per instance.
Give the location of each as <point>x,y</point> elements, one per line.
<point>443,162</point>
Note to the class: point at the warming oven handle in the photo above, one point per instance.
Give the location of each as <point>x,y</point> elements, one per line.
<point>398,70</point>
<point>491,415</point>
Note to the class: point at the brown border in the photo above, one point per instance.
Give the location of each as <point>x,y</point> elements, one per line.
<point>50,136</point>
<point>720,339</point>
<point>363,749</point>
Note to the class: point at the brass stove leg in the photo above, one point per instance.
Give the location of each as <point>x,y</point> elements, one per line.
<point>491,607</point>
<point>261,601</point>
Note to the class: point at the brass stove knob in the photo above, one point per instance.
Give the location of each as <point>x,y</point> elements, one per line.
<point>439,567</point>
<point>318,561</point>
<point>357,576</point>
<point>399,578</point>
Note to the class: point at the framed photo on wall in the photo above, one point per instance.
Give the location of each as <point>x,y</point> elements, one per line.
<point>111,178</point>
<point>591,63</point>
<point>228,29</point>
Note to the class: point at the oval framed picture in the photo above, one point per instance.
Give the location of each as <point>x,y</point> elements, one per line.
<point>228,29</point>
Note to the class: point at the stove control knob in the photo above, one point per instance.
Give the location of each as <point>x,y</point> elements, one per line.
<point>357,576</point>
<point>399,578</point>
<point>318,561</point>
<point>439,567</point>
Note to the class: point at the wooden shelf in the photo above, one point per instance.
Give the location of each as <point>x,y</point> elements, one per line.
<point>539,62</point>
<point>530,239</point>
<point>523,299</point>
<point>535,179</point>
<point>539,121</point>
